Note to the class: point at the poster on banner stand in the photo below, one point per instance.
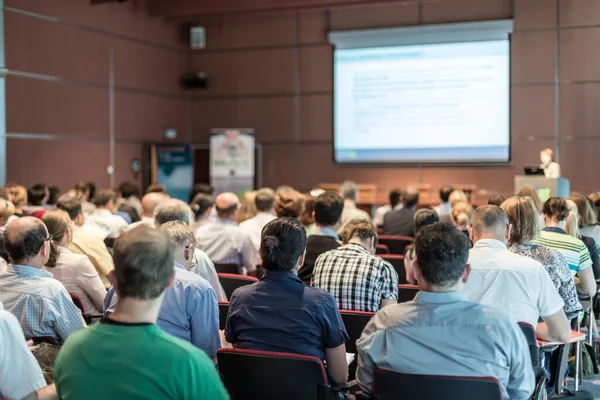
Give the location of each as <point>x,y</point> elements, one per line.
<point>232,166</point>
<point>172,166</point>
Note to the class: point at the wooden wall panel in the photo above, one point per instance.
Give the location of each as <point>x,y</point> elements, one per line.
<point>317,118</point>
<point>534,14</point>
<point>124,154</point>
<point>578,156</point>
<point>72,11</point>
<point>313,26</point>
<point>533,56</point>
<point>579,12</point>
<point>579,57</point>
<point>532,111</point>
<point>316,68</point>
<point>465,10</point>
<point>387,15</point>
<point>281,165</point>
<point>579,110</point>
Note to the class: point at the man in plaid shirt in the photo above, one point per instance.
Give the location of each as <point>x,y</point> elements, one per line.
<point>357,279</point>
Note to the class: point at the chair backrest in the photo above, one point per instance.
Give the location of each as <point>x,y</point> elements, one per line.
<point>396,244</point>
<point>397,262</point>
<point>230,282</point>
<point>387,385</point>
<point>355,322</point>
<point>407,292</point>
<point>382,249</point>
<point>290,376</point>
<point>534,350</point>
<point>223,310</point>
<point>77,301</point>
<point>227,268</point>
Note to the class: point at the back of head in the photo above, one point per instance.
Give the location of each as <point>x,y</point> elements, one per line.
<point>328,209</point>
<point>201,204</point>
<point>5,193</point>
<point>128,189</point>
<point>423,218</point>
<point>54,193</point>
<point>105,196</point>
<point>152,200</point>
<point>587,214</point>
<point>349,190</point>
<point>57,222</point>
<point>572,226</point>
<point>556,209</point>
<point>528,191</point>
<point>36,195</point>
<point>172,210</point>
<point>264,200</point>
<point>7,209</point>
<point>461,213</point>
<point>283,242</point>
<point>359,229</point>
<point>410,197</point>
<point>226,205</point>
<point>247,209</point>
<point>289,203</point>
<point>457,196</point>
<point>445,193</point>
<point>71,204</point>
<point>307,217</point>
<point>201,188</point>
<point>143,263</point>
<point>19,195</point>
<point>156,188</point>
<point>23,239</point>
<point>83,187</point>
<point>395,197</point>
<point>496,199</point>
<point>489,220</point>
<point>523,217</point>
<point>180,233</point>
<point>442,254</point>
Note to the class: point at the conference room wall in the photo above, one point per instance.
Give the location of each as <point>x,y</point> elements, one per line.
<point>58,91</point>
<point>272,71</point>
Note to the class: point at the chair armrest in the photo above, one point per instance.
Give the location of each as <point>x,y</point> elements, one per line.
<point>540,384</point>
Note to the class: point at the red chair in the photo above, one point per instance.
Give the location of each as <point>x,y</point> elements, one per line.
<point>230,282</point>
<point>88,318</point>
<point>396,244</point>
<point>397,262</point>
<point>290,376</point>
<point>355,322</point>
<point>382,249</point>
<point>223,311</point>
<point>407,293</point>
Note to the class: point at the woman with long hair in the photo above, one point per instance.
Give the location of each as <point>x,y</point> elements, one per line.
<point>247,208</point>
<point>572,228</point>
<point>529,191</point>
<point>461,215</point>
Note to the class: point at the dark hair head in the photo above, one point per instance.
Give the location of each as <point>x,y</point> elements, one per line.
<point>105,196</point>
<point>556,208</point>
<point>410,197</point>
<point>92,188</point>
<point>442,253</point>
<point>54,193</point>
<point>156,188</point>
<point>201,188</point>
<point>395,196</point>
<point>82,186</point>
<point>40,186</point>
<point>58,224</point>
<point>328,208</point>
<point>289,203</point>
<point>70,204</point>
<point>143,263</point>
<point>36,194</point>
<point>23,239</point>
<point>360,228</point>
<point>264,200</point>
<point>496,199</point>
<point>424,217</point>
<point>201,204</point>
<point>128,189</point>
<point>282,243</point>
<point>445,193</point>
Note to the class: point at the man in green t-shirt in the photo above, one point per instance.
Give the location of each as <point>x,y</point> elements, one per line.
<point>127,356</point>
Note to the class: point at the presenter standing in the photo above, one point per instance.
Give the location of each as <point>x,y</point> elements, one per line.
<point>551,168</point>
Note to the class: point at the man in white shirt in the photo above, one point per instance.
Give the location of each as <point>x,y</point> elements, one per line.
<point>444,209</point>
<point>349,191</point>
<point>264,201</point>
<point>104,216</point>
<point>149,203</point>
<point>518,285</point>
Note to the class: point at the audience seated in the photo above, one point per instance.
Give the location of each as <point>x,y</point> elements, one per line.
<point>574,250</point>
<point>37,195</point>
<point>201,188</point>
<point>587,218</point>
<point>572,228</point>
<point>247,207</point>
<point>202,206</point>
<point>86,190</point>
<point>74,271</point>
<point>20,372</point>
<point>457,196</point>
<point>349,191</point>
<point>84,242</point>
<point>289,202</point>
<point>223,241</point>
<point>395,196</point>
<point>129,200</point>
<point>354,275</point>
<point>307,216</point>
<point>529,191</point>
<point>19,199</point>
<point>149,203</point>
<point>327,213</point>
<point>423,218</point>
<point>41,304</point>
<point>189,309</point>
<point>280,313</point>
<point>461,215</point>
<point>157,188</point>
<point>126,355</point>
<point>518,285</point>
<point>523,219</point>
<point>53,195</point>
<point>5,194</point>
<point>104,215</point>
<point>177,210</point>
<point>496,199</point>
<point>445,208</point>
<point>400,222</point>
<point>7,210</point>
<point>264,202</point>
<point>441,332</point>
<point>594,199</point>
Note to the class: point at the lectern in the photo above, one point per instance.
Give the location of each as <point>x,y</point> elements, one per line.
<point>545,187</point>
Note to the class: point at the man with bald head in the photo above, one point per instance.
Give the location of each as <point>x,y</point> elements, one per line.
<point>400,222</point>
<point>518,285</point>
<point>40,303</point>
<point>149,203</point>
<point>224,241</point>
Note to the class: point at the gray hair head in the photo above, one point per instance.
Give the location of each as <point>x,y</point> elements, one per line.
<point>180,233</point>
<point>172,210</point>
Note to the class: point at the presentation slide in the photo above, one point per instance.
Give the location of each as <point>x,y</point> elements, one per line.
<point>435,103</point>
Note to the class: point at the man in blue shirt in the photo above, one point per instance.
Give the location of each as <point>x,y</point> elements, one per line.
<point>189,310</point>
<point>440,332</point>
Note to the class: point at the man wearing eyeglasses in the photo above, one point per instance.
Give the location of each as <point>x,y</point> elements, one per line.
<point>189,310</point>
<point>40,303</point>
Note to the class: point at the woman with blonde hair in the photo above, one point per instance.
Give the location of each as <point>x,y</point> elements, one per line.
<point>74,271</point>
<point>19,198</point>
<point>523,217</point>
<point>247,208</point>
<point>551,168</point>
<point>572,228</point>
<point>461,215</point>
<point>529,191</point>
<point>7,210</point>
<point>457,196</point>
<point>588,221</point>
